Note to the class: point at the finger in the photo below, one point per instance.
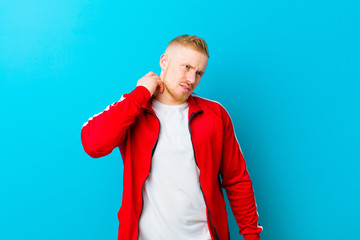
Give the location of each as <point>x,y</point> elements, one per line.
<point>154,75</point>
<point>161,85</point>
<point>151,74</point>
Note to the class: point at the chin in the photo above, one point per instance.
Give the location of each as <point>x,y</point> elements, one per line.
<point>178,95</point>
<point>181,97</point>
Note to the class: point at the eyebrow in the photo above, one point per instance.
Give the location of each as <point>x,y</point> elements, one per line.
<point>202,73</point>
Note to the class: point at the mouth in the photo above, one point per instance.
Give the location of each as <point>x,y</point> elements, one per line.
<point>185,87</point>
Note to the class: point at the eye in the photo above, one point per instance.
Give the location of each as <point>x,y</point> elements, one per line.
<point>187,66</point>
<point>200,74</point>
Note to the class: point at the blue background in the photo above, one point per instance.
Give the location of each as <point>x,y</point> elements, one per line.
<point>288,72</point>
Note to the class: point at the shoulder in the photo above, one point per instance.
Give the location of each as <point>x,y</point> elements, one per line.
<point>211,106</point>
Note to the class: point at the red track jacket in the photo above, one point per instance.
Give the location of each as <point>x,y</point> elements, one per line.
<point>132,125</point>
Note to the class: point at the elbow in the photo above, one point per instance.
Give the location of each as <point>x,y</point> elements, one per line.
<point>91,147</point>
<point>92,152</point>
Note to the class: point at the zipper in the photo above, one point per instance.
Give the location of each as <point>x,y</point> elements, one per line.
<point>207,209</point>
<point>142,189</point>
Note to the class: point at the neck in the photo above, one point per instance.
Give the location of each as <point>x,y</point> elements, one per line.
<point>167,99</point>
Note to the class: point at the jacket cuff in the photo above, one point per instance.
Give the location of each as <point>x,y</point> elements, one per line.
<point>252,237</point>
<point>140,96</point>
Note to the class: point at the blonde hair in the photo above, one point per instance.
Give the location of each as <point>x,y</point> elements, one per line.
<point>191,41</point>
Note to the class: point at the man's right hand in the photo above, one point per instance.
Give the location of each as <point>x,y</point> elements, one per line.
<point>152,82</point>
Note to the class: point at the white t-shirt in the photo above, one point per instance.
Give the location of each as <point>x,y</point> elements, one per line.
<point>174,206</point>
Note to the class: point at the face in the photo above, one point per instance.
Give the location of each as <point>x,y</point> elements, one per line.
<point>182,69</point>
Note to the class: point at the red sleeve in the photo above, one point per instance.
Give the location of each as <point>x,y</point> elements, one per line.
<point>236,181</point>
<point>106,130</point>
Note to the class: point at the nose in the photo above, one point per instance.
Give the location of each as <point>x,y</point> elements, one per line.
<point>191,77</point>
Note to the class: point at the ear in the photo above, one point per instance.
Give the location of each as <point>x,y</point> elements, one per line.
<point>163,61</point>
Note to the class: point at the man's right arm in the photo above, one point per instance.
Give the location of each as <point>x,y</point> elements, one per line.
<point>106,130</point>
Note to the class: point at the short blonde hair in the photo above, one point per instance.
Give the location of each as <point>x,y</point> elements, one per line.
<point>191,41</point>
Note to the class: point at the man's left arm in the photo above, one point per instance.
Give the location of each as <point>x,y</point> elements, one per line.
<point>236,181</point>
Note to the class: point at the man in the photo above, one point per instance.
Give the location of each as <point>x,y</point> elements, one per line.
<point>179,151</point>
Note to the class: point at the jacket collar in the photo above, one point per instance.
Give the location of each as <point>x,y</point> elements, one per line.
<point>193,105</point>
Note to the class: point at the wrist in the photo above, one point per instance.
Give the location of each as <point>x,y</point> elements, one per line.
<point>140,95</point>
